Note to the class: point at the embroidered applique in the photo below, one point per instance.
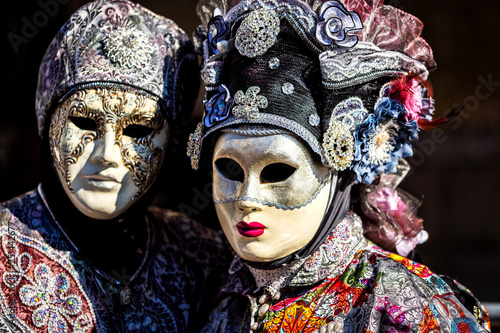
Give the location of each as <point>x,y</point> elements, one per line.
<point>39,281</point>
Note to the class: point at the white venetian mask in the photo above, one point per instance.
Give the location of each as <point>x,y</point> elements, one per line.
<point>108,146</point>
<point>270,194</point>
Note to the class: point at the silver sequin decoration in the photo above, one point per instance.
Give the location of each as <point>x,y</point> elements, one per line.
<point>249,103</point>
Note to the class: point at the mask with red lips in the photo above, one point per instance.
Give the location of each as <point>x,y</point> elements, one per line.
<point>270,194</point>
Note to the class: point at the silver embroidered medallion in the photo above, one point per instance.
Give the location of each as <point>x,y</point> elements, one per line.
<point>128,46</point>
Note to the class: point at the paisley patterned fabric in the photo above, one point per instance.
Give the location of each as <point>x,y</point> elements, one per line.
<point>46,285</point>
<point>349,281</point>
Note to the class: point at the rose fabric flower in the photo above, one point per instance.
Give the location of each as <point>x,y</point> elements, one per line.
<point>217,108</point>
<point>337,24</point>
<point>218,32</point>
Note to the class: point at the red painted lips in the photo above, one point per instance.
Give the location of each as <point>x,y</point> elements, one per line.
<point>252,229</point>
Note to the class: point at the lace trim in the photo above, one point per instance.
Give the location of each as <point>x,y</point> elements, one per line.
<point>330,260</point>
<point>333,256</point>
<point>272,281</point>
<point>365,63</point>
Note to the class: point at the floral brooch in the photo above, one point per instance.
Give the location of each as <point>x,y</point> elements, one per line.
<point>249,103</point>
<point>338,140</point>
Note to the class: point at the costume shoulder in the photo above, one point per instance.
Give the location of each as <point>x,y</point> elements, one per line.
<point>21,212</point>
<point>408,291</point>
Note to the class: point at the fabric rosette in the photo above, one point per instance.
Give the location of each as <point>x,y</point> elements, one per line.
<point>217,107</point>
<point>337,25</point>
<point>384,137</point>
<point>218,33</point>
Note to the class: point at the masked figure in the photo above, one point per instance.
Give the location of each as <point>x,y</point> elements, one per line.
<point>83,252</point>
<point>310,111</point>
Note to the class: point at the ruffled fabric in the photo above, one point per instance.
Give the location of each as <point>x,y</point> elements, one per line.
<point>390,219</point>
<point>392,29</point>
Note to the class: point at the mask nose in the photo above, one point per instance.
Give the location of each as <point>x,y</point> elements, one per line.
<point>106,150</point>
<point>248,195</point>
<point>248,206</point>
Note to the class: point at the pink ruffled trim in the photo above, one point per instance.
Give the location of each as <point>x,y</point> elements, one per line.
<point>390,219</point>
<point>392,29</point>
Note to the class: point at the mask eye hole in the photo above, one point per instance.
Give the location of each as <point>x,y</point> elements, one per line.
<point>230,169</point>
<point>276,172</point>
<point>84,123</point>
<point>137,131</point>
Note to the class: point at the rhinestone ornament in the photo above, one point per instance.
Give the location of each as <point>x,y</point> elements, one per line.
<point>210,74</point>
<point>273,63</point>
<point>338,146</point>
<point>314,119</point>
<point>257,33</point>
<point>249,103</point>
<point>287,88</point>
<point>129,47</point>
<point>194,147</point>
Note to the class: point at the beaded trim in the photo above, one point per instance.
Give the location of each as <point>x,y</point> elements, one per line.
<point>275,120</point>
<point>273,204</point>
<point>194,146</point>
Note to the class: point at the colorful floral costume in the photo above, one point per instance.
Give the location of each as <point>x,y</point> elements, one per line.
<point>349,281</point>
<point>46,285</point>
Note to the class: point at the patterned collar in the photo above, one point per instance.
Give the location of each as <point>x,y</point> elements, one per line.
<point>330,260</point>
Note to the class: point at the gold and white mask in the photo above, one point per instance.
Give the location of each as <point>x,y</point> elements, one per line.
<point>270,194</point>
<point>107,145</point>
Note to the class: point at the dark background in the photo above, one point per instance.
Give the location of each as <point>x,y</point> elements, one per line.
<point>456,168</point>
